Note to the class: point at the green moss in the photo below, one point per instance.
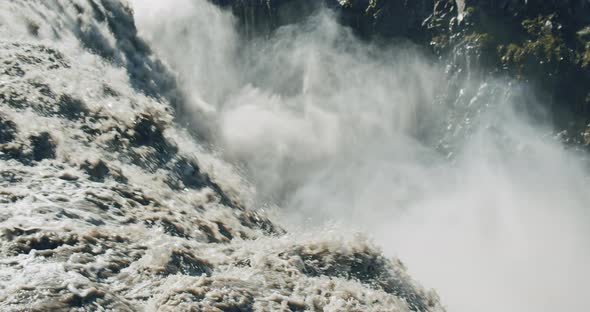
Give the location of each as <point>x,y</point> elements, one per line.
<point>440,42</point>
<point>547,48</point>
<point>469,10</point>
<point>478,40</point>
<point>585,59</point>
<point>584,33</point>
<point>543,48</point>
<point>537,26</point>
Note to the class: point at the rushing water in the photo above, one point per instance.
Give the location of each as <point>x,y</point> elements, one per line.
<point>457,174</point>
<point>109,200</point>
<point>107,203</point>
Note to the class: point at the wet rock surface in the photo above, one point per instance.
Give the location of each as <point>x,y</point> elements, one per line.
<point>543,44</point>
<point>106,203</point>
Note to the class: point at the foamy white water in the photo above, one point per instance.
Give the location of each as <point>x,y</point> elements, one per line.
<point>470,189</point>
<point>107,203</point>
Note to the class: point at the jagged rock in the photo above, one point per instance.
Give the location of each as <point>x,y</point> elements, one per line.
<point>539,42</point>
<point>533,41</point>
<point>368,18</point>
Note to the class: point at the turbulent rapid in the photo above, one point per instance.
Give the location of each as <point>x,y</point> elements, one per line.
<point>163,156</point>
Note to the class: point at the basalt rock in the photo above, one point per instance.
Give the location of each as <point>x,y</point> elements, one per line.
<point>368,18</point>
<point>542,43</point>
<point>545,44</point>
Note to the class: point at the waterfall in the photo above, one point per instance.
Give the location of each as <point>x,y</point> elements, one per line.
<point>170,156</point>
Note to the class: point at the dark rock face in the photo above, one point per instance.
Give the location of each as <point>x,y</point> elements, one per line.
<point>386,18</point>
<point>540,42</point>
<point>263,16</point>
<point>545,44</point>
<point>368,18</point>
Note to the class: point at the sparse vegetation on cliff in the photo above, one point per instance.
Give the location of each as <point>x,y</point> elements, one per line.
<point>545,43</point>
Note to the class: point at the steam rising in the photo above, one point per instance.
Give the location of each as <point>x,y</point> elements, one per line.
<point>334,130</point>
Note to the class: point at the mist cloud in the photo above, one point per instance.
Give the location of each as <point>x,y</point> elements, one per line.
<point>334,130</point>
